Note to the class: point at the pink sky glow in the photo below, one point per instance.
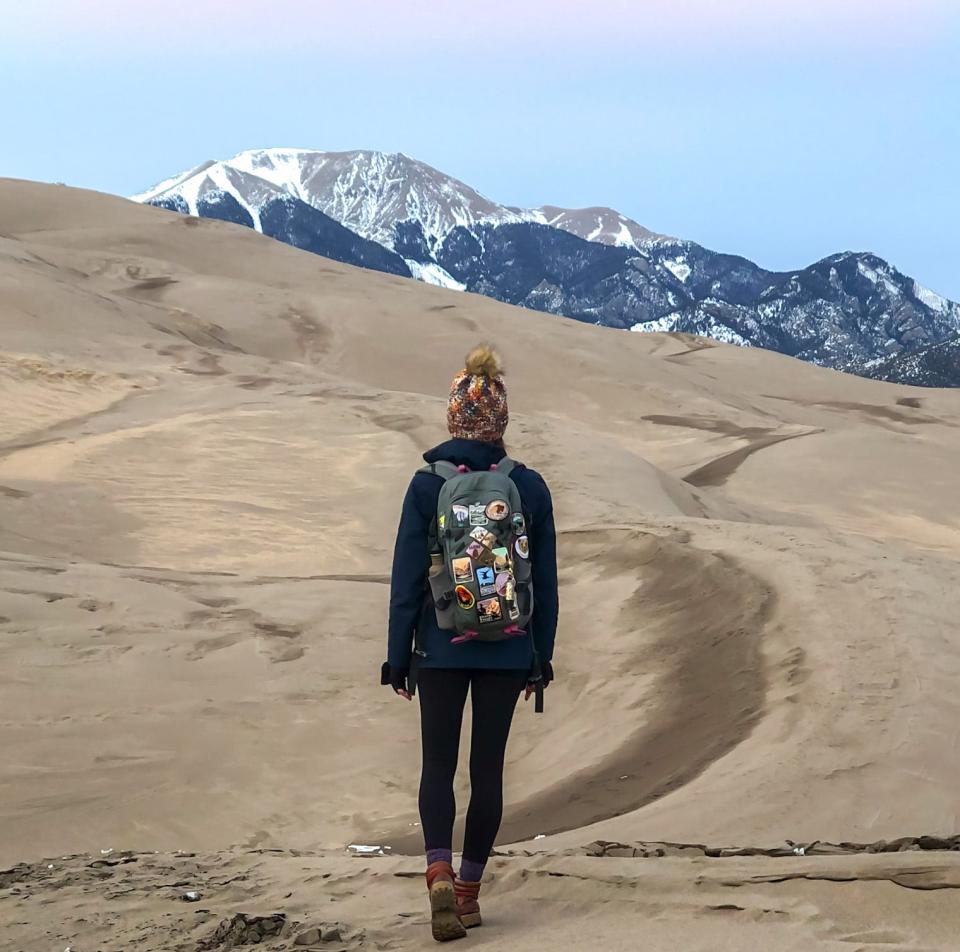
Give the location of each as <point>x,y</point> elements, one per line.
<point>485,25</point>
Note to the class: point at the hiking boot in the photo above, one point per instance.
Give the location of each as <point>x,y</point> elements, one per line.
<point>444,921</point>
<point>468,906</point>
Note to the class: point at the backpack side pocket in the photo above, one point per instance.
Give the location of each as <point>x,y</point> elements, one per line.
<point>441,588</point>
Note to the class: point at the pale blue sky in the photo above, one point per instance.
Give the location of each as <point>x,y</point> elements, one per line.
<point>783,132</point>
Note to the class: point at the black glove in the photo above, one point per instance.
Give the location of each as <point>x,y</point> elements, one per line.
<point>538,678</point>
<point>394,677</point>
<point>546,674</point>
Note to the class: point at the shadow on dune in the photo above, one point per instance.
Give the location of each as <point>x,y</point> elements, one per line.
<point>699,619</point>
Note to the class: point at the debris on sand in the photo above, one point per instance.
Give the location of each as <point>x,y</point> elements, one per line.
<point>360,849</point>
<point>242,929</point>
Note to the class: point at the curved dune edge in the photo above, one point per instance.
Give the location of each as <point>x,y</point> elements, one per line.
<point>708,614</point>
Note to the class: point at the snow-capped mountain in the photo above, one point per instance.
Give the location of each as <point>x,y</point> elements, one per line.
<point>372,193</point>
<point>840,311</point>
<point>393,213</point>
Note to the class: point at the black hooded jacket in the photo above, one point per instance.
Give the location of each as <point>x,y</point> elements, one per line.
<point>410,606</point>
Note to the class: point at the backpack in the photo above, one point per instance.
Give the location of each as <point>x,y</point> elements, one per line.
<point>480,573</point>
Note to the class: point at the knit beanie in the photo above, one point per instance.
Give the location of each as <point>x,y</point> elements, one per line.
<point>477,409</point>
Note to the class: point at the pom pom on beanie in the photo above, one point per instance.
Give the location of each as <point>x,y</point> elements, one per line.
<point>477,409</point>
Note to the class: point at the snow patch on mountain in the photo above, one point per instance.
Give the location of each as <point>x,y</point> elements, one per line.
<point>172,184</point>
<point>932,300</point>
<point>663,324</point>
<point>433,274</point>
<point>678,267</point>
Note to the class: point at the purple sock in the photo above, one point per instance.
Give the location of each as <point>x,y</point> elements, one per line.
<point>439,856</point>
<point>471,872</point>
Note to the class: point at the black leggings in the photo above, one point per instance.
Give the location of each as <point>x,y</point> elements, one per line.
<point>443,693</point>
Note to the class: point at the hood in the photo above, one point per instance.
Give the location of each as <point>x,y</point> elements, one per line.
<point>470,453</point>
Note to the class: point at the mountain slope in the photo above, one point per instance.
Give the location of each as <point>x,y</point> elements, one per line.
<point>935,366</point>
<point>845,308</point>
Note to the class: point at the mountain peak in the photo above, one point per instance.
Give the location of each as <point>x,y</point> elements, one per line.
<point>373,192</point>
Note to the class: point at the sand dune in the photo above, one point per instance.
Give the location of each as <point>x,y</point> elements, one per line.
<point>204,441</point>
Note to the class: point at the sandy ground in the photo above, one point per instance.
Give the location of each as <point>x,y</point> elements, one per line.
<point>204,442</point>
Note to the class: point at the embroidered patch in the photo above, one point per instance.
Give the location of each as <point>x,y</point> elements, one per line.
<point>489,610</point>
<point>478,514</point>
<point>465,597</point>
<point>498,510</point>
<point>484,537</point>
<point>461,514</point>
<point>486,557</point>
<point>523,547</point>
<point>504,585</point>
<point>475,550</point>
<point>519,523</point>
<point>462,570</point>
<point>501,560</point>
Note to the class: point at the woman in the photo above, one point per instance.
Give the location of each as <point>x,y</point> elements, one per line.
<point>445,666</point>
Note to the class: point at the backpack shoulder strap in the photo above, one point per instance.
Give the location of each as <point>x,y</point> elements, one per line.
<point>506,466</point>
<point>442,468</point>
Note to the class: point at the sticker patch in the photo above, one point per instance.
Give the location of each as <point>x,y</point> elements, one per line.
<point>523,547</point>
<point>498,510</point>
<point>484,537</point>
<point>462,570</point>
<point>475,550</point>
<point>489,611</point>
<point>465,597</point>
<point>519,523</point>
<point>501,560</point>
<point>478,514</point>
<point>442,521</point>
<point>487,581</point>
<point>504,585</point>
<point>461,514</point>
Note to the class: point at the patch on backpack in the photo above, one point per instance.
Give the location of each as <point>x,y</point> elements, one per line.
<point>501,561</point>
<point>489,611</point>
<point>504,585</point>
<point>442,521</point>
<point>523,547</point>
<point>461,514</point>
<point>487,581</point>
<point>465,597</point>
<point>462,570</point>
<point>498,510</point>
<point>475,550</point>
<point>484,537</point>
<point>519,523</point>
<point>478,514</point>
